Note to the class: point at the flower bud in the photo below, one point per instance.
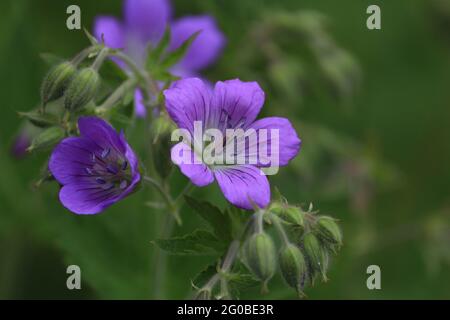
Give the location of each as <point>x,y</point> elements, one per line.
<point>316,254</point>
<point>289,214</point>
<point>328,230</point>
<point>260,256</point>
<point>293,266</point>
<point>56,81</point>
<point>46,139</point>
<point>82,89</point>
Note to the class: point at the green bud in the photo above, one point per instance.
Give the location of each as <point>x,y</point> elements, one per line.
<point>316,254</point>
<point>293,266</point>
<point>46,139</point>
<point>292,215</point>
<point>260,257</point>
<point>82,89</point>
<point>328,230</point>
<point>56,81</point>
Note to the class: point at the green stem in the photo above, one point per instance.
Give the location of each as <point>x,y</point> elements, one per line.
<point>171,205</point>
<point>116,95</point>
<point>276,222</point>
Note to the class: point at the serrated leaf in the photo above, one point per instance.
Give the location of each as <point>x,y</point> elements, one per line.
<point>199,242</point>
<point>174,57</point>
<point>203,276</point>
<point>155,55</point>
<point>219,221</point>
<point>238,219</point>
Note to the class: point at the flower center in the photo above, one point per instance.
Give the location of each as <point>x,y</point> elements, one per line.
<point>109,170</point>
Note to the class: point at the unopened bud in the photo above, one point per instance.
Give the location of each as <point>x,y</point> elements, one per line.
<point>293,266</point>
<point>260,257</point>
<point>328,230</point>
<point>292,215</point>
<point>46,139</point>
<point>56,81</point>
<point>82,89</point>
<point>316,254</point>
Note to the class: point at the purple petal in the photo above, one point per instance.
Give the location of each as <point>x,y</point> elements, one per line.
<point>21,142</point>
<point>237,103</point>
<point>70,158</point>
<point>132,160</point>
<point>87,198</point>
<point>139,107</point>
<point>288,143</point>
<point>244,186</point>
<point>147,18</point>
<point>207,46</point>
<point>101,133</point>
<point>188,100</point>
<point>197,172</point>
<point>112,31</point>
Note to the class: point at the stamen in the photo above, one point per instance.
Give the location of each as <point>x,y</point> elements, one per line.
<point>89,171</point>
<point>100,180</point>
<point>112,169</point>
<point>93,157</point>
<point>125,165</point>
<point>123,184</point>
<point>108,186</point>
<point>105,153</point>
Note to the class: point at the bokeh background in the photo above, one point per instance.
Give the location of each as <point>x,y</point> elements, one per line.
<point>373,111</point>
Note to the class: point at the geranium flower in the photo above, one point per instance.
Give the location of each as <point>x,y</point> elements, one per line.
<point>145,23</point>
<point>231,104</point>
<point>96,169</point>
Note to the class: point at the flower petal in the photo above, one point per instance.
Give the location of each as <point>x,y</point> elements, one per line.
<point>70,158</point>
<point>236,104</point>
<point>188,100</point>
<point>288,141</point>
<point>101,133</point>
<point>86,198</point>
<point>147,18</point>
<point>193,168</point>
<point>139,107</point>
<point>206,47</point>
<point>111,30</point>
<point>243,186</point>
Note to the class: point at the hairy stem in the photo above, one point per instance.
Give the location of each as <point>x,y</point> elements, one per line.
<point>116,95</point>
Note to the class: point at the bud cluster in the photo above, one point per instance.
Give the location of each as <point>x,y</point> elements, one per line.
<point>307,241</point>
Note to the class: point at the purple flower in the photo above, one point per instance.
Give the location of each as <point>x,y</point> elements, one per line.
<point>21,142</point>
<point>145,22</point>
<point>231,104</point>
<point>96,169</point>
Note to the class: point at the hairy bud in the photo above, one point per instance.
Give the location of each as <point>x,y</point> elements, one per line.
<point>328,230</point>
<point>316,254</point>
<point>293,266</point>
<point>56,81</point>
<point>260,257</point>
<point>46,139</point>
<point>82,89</point>
<point>292,215</point>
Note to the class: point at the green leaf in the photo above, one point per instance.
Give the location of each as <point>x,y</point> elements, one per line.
<point>155,55</point>
<point>199,242</point>
<point>174,57</point>
<point>238,220</point>
<point>219,221</point>
<point>91,38</point>
<point>41,120</point>
<point>203,276</point>
<point>112,73</point>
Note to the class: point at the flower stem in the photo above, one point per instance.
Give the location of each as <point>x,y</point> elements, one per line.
<point>171,205</point>
<point>276,221</point>
<point>116,95</point>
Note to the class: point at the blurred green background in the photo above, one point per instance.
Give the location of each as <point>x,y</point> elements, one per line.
<point>373,115</point>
